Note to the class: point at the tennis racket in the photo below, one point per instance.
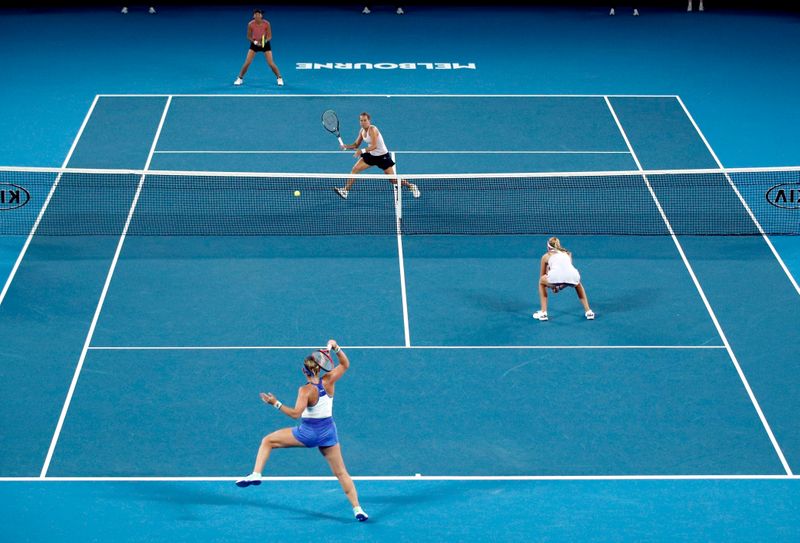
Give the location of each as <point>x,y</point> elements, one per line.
<point>331,123</point>
<point>323,359</point>
<point>263,41</point>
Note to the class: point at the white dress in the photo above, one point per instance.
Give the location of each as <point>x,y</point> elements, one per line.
<point>561,271</point>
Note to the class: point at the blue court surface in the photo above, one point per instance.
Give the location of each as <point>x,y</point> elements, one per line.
<point>133,362</point>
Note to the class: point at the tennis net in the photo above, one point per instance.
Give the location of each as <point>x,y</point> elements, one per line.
<point>68,201</point>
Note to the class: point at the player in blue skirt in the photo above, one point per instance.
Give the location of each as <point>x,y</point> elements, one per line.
<point>314,407</point>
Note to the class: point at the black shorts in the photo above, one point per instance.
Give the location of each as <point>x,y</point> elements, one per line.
<point>384,162</point>
<point>259,49</point>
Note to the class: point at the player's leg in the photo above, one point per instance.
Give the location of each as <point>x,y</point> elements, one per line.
<point>581,292</point>
<point>542,313</point>
<point>403,182</point>
<point>247,61</point>
<point>272,65</point>
<point>278,439</point>
<point>358,167</point>
<point>334,457</point>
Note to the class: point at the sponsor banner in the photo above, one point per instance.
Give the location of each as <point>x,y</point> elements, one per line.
<point>785,195</point>
<point>386,66</point>
<point>12,196</point>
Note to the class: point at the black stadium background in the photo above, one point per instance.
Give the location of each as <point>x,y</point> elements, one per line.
<point>710,5</point>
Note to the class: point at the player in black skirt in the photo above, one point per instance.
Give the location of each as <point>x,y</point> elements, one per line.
<point>259,34</point>
<point>375,154</point>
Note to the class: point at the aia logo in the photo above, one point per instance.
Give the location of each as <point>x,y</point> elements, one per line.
<point>12,196</point>
<point>785,195</point>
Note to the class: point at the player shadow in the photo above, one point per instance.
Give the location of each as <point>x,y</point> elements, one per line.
<point>492,301</point>
<point>181,494</point>
<point>623,301</point>
<point>392,504</point>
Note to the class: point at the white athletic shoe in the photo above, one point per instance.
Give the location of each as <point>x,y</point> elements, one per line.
<point>152,10</point>
<point>414,191</point>
<point>124,11</point>
<point>280,81</point>
<point>400,11</point>
<point>360,514</point>
<point>252,479</point>
<point>590,315</point>
<point>341,192</point>
<point>635,12</point>
<point>366,10</point>
<point>612,12</point>
<point>540,315</point>
<point>238,81</point>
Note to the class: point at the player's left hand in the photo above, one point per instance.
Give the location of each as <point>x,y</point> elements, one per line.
<point>268,398</point>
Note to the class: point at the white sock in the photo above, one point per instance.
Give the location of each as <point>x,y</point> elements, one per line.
<point>255,475</point>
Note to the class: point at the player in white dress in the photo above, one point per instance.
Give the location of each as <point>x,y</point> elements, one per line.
<point>557,273</point>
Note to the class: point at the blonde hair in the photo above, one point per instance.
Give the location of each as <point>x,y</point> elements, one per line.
<point>311,365</point>
<point>554,244</point>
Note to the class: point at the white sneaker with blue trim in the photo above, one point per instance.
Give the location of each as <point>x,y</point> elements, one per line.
<point>360,514</point>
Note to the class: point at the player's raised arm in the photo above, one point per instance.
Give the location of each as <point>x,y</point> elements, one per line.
<point>344,362</point>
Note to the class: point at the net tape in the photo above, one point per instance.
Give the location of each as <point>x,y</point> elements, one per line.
<point>742,201</point>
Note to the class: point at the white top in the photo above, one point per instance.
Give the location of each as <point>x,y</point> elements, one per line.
<point>561,270</point>
<point>324,407</point>
<point>380,147</point>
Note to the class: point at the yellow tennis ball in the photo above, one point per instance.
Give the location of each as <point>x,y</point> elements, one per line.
<point>297,193</point>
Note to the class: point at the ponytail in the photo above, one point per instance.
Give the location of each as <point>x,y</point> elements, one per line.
<point>554,244</point>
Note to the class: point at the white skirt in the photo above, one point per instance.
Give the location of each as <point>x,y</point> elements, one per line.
<point>562,276</point>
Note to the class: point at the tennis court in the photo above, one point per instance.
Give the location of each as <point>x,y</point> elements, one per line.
<point>137,344</point>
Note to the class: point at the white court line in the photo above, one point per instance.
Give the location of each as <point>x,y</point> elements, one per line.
<point>99,308</point>
<point>742,200</point>
<point>711,313</point>
<point>398,187</point>
<point>286,96</point>
<point>328,152</point>
<point>27,243</point>
<point>467,176</point>
<point>296,479</point>
<point>457,347</point>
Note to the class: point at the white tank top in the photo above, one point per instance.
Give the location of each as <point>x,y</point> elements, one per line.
<point>324,407</point>
<point>561,270</point>
<point>380,147</point>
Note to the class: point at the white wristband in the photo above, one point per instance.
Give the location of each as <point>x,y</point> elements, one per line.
<point>336,349</point>
<point>277,405</point>
<point>363,151</point>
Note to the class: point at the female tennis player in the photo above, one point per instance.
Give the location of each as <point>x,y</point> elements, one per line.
<point>314,405</point>
<point>259,33</point>
<point>375,154</point>
<point>557,273</point>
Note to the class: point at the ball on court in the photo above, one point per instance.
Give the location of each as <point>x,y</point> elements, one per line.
<point>297,193</point>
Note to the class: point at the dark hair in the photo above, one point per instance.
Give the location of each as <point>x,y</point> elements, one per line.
<point>365,114</point>
<point>257,10</point>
